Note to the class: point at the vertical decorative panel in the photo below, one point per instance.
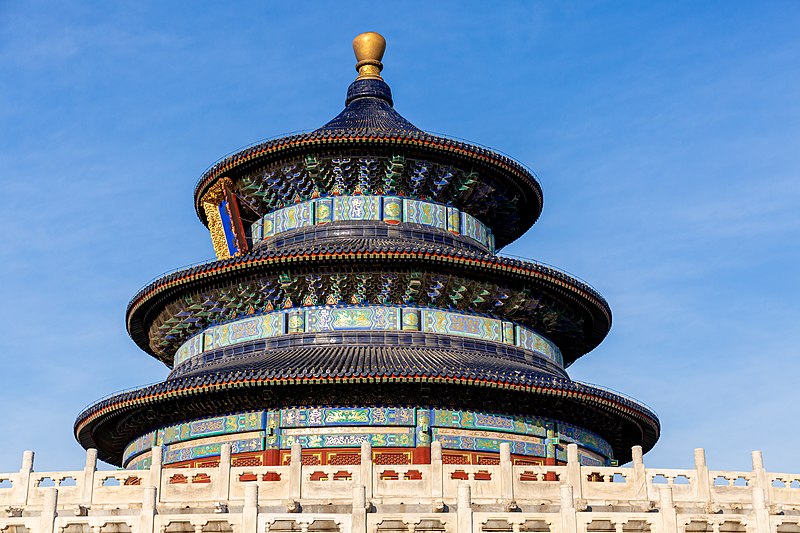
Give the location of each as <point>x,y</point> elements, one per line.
<point>293,217</point>
<point>423,429</point>
<point>256,231</point>
<point>529,340</point>
<point>273,423</point>
<point>425,213</point>
<point>462,325</point>
<point>453,220</point>
<point>189,349</point>
<point>508,333</point>
<point>323,210</point>
<point>344,318</point>
<point>392,210</point>
<point>474,229</point>
<point>411,319</point>
<point>296,322</point>
<point>356,208</point>
<point>268,223</point>
<point>208,340</point>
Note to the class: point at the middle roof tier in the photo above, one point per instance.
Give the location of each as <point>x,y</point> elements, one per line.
<point>172,309</point>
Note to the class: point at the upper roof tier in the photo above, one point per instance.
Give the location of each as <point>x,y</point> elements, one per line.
<point>369,148</point>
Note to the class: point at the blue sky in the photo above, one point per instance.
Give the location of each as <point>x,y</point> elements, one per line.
<point>666,137</point>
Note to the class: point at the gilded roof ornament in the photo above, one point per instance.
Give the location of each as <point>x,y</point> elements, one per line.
<point>369,48</point>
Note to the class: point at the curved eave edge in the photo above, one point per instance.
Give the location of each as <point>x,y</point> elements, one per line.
<point>221,268</point>
<point>424,140</point>
<point>635,413</point>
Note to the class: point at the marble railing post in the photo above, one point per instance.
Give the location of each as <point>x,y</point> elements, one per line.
<point>250,509</point>
<point>24,478</point>
<point>224,472</point>
<point>437,479</point>
<point>296,472</point>
<point>359,524</point>
<point>155,469</point>
<point>506,472</point>
<point>703,480</point>
<point>569,519</point>
<point>87,489</point>
<point>760,510</point>
<point>147,517</point>
<point>666,510</point>
<point>47,521</point>
<point>761,475</point>
<point>574,477</point>
<point>639,481</point>
<point>464,511</point>
<point>366,468</point>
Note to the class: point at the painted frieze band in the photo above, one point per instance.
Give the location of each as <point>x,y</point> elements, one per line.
<point>367,318</point>
<point>388,209</point>
<point>348,427</point>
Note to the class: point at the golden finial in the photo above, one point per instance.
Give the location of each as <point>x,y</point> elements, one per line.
<point>369,48</point>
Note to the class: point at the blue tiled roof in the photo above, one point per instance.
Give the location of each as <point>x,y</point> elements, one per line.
<point>369,108</point>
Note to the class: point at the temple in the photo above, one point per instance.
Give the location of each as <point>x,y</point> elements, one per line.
<point>359,359</point>
<point>357,297</point>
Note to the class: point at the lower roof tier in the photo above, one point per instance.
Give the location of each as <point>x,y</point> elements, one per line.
<point>172,309</point>
<point>369,376</point>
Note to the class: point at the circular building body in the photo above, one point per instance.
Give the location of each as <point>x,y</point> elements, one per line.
<point>357,298</point>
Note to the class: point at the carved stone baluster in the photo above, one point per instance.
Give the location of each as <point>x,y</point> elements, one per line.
<point>569,519</point>
<point>464,511</point>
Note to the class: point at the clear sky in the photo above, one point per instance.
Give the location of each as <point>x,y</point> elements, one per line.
<point>666,136</point>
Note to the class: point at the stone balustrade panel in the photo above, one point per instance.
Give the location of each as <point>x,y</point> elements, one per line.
<point>538,482</point>
<point>69,484</point>
<point>402,481</point>
<point>484,481</point>
<point>522,521</point>
<point>604,483</point>
<point>97,523</point>
<point>784,488</point>
<point>181,484</point>
<point>682,482</point>
<point>116,487</point>
<point>718,523</point>
<point>329,482</point>
<point>429,522</point>
<point>319,522</point>
<point>619,522</point>
<point>12,490</point>
<point>273,482</point>
<point>206,522</point>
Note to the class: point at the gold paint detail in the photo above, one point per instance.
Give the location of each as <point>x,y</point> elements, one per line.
<point>369,48</point>
<point>344,430</point>
<point>476,433</point>
<point>181,445</point>
<point>210,201</point>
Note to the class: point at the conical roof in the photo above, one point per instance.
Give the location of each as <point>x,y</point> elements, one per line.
<point>369,108</point>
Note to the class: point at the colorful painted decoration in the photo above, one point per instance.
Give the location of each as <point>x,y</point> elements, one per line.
<point>366,318</point>
<point>348,427</point>
<point>389,209</point>
<point>224,220</point>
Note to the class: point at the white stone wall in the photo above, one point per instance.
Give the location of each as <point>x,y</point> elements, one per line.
<point>369,498</point>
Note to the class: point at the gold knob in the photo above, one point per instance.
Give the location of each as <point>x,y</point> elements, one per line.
<point>369,48</point>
